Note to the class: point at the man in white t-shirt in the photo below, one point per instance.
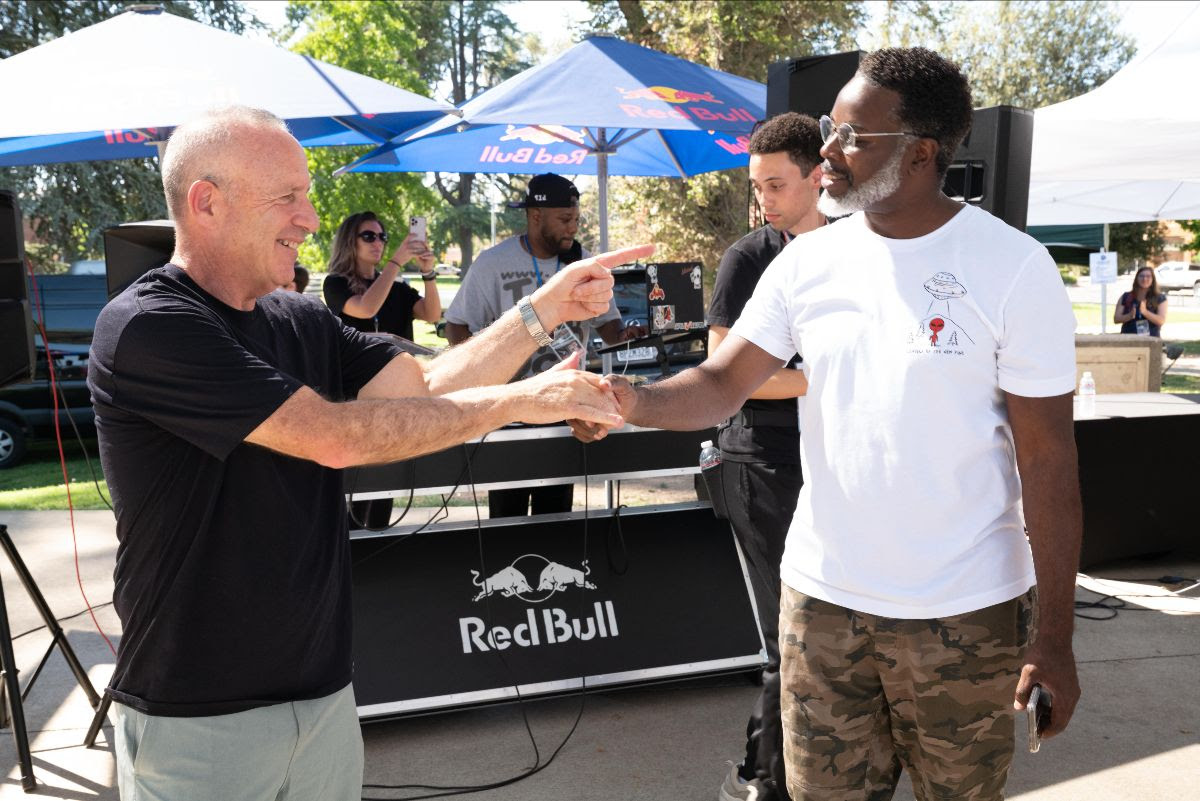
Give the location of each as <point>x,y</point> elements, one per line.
<point>938,346</point>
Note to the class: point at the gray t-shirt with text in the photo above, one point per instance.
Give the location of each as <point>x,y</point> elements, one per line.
<point>498,278</point>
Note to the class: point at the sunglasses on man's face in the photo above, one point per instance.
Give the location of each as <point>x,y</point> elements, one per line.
<point>371,236</point>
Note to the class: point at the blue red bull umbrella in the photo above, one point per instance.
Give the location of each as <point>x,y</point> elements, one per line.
<point>604,106</point>
<point>109,90</point>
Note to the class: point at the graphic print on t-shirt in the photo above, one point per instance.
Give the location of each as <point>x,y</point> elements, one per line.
<point>937,331</point>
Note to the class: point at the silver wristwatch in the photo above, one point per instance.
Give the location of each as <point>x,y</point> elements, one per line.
<point>532,323</point>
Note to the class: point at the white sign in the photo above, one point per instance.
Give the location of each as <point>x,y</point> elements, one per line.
<point>1103,267</point>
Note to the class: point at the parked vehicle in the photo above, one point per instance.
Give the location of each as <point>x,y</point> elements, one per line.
<point>69,305</point>
<point>1178,275</point>
<point>27,408</point>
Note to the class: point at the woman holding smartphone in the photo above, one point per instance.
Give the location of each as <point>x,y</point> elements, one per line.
<point>371,299</point>
<point>1143,309</point>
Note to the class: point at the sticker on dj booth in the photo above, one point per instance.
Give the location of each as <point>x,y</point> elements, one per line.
<point>664,317</point>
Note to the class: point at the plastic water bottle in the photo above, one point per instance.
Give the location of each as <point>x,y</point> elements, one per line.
<point>710,456</point>
<point>1087,395</point>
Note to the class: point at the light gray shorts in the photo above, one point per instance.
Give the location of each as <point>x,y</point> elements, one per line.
<point>297,751</point>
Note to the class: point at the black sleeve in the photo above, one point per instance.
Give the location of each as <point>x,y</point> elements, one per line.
<point>362,356</point>
<point>737,276</point>
<point>336,290</point>
<point>188,374</point>
<point>408,293</point>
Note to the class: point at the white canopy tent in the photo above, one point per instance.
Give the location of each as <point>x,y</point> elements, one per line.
<point>1130,149</point>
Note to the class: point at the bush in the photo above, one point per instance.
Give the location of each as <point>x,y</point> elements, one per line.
<point>1067,271</point>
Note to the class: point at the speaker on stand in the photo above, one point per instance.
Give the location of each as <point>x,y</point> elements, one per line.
<point>17,356</point>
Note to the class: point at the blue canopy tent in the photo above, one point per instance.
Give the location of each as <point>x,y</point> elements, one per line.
<point>604,106</point>
<point>109,90</point>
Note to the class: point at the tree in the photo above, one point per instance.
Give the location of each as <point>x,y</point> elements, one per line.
<point>70,205</point>
<point>376,39</point>
<point>1031,54</point>
<point>1136,241</point>
<point>470,46</point>
<point>426,46</point>
<point>700,217</point>
<point>1193,228</point>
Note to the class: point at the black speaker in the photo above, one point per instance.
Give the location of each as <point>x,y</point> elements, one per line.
<point>809,85</point>
<point>133,249</point>
<point>991,166</point>
<point>16,322</point>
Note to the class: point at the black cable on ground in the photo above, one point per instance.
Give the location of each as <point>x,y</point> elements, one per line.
<point>16,637</point>
<point>1102,609</point>
<point>444,791</point>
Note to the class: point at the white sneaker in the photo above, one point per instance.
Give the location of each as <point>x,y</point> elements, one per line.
<point>735,788</point>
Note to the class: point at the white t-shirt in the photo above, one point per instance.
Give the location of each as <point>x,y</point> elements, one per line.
<point>911,501</point>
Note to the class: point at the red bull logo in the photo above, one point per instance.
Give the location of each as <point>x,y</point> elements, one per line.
<point>683,104</point>
<point>542,134</point>
<point>553,625</point>
<point>668,95</point>
<point>494,154</point>
<point>136,136</point>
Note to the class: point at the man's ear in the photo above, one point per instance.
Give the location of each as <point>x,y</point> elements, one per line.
<point>202,198</point>
<point>924,155</point>
<point>814,176</point>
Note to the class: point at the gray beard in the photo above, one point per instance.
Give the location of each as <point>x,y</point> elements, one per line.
<point>861,197</point>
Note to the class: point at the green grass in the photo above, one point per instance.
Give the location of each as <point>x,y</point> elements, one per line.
<point>1179,384</point>
<point>37,482</point>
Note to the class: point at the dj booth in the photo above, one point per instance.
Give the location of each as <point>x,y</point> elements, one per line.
<point>466,613</point>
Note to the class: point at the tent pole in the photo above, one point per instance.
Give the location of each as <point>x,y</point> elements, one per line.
<point>602,182</point>
<point>1104,292</point>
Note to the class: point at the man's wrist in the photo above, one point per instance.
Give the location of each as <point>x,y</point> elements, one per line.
<point>533,323</point>
<point>546,311</point>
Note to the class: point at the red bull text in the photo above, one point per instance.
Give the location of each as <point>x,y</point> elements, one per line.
<point>683,105</point>
<point>552,627</point>
<point>493,154</point>
<point>135,136</point>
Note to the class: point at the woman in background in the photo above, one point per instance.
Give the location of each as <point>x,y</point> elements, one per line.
<point>370,299</point>
<point>1143,309</point>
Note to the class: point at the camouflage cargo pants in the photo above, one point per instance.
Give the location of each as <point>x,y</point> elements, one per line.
<point>864,696</point>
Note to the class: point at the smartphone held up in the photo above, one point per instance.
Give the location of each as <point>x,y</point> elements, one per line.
<point>417,228</point>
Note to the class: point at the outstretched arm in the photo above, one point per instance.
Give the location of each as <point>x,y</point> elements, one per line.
<point>579,291</point>
<point>786,383</point>
<point>373,431</point>
<point>694,399</point>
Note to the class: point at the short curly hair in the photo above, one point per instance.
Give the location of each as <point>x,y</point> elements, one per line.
<point>796,134</point>
<point>935,98</point>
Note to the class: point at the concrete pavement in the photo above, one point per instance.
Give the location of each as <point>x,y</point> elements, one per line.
<point>1135,737</point>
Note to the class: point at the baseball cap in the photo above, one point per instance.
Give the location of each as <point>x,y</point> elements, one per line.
<point>548,191</point>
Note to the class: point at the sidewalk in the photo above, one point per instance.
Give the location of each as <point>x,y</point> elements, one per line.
<point>1135,737</point>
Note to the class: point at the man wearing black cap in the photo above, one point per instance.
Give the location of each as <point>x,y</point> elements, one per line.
<point>513,269</point>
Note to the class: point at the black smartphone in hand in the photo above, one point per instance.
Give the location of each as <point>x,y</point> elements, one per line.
<point>1037,713</point>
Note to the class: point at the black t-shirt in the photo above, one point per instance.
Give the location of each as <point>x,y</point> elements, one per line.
<point>232,579</point>
<point>741,267</point>
<point>395,315</point>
